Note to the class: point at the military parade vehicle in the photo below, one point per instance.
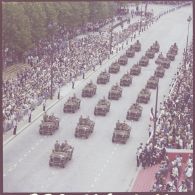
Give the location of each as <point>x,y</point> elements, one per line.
<point>152,82</point>
<point>165,63</point>
<point>144,61</point>
<point>72,104</point>
<point>137,46</point>
<point>123,60</point>
<point>150,53</point>
<point>121,133</point>
<point>49,125</point>
<point>174,49</point>
<point>159,59</point>
<point>126,80</point>
<point>102,107</point>
<point>114,68</point>
<point>103,78</point>
<point>135,70</point>
<point>115,93</point>
<point>172,52</point>
<point>144,96</point>
<point>89,90</point>
<point>84,128</point>
<point>170,55</point>
<point>156,46</point>
<point>134,112</point>
<point>61,154</point>
<point>130,52</point>
<point>160,71</point>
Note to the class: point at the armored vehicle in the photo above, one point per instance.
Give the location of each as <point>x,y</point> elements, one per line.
<point>72,104</point>
<point>121,133</point>
<point>123,60</point>
<point>144,61</point>
<point>160,71</point>
<point>130,52</point>
<point>135,70</point>
<point>84,128</point>
<point>152,82</point>
<point>134,112</point>
<point>103,78</point>
<point>115,93</point>
<point>170,55</point>
<point>49,125</point>
<point>165,63</point>
<point>174,49</point>
<point>137,46</point>
<point>159,59</point>
<point>126,80</point>
<point>102,107</point>
<point>144,96</point>
<point>47,128</point>
<point>150,53</point>
<point>89,90</point>
<point>114,68</point>
<point>61,156</point>
<point>156,46</point>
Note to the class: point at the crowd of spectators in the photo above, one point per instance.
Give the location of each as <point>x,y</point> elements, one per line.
<point>175,175</point>
<point>176,122</point>
<point>174,131</point>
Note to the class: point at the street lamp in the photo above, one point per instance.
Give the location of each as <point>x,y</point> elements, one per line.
<point>155,118</point>
<point>188,20</point>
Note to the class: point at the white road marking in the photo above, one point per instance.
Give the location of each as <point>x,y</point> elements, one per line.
<point>29,151</point>
<point>4,175</point>
<point>92,186</point>
<point>37,144</point>
<point>25,155</point>
<point>20,159</point>
<point>32,148</point>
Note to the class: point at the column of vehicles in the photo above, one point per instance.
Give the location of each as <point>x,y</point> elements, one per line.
<point>61,154</point>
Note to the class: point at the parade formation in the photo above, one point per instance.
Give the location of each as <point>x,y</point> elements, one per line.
<point>89,129</point>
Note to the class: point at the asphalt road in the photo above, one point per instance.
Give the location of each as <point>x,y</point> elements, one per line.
<point>97,164</point>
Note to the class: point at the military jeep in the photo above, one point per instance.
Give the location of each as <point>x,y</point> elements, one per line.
<point>103,78</point>
<point>135,70</point>
<point>102,107</point>
<point>121,133</point>
<point>134,112</point>
<point>114,68</point>
<point>72,104</point>
<point>84,128</point>
<point>89,90</point>
<point>126,80</point>
<point>123,60</point>
<point>115,93</point>
<point>152,82</point>
<point>144,96</point>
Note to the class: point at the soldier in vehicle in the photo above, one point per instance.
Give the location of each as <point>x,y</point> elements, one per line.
<point>57,146</point>
<point>63,146</point>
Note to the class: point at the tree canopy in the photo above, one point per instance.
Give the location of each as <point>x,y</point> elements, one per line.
<point>25,23</point>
